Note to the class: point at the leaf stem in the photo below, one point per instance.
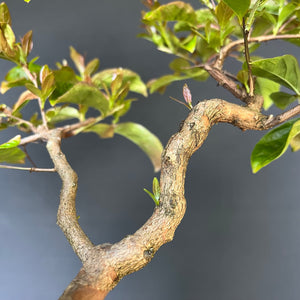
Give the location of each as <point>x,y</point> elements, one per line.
<point>247,57</point>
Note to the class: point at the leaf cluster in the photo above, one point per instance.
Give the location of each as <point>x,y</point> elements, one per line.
<point>206,36</point>
<point>67,94</point>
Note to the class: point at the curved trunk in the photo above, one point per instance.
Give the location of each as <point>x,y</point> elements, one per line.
<point>105,265</point>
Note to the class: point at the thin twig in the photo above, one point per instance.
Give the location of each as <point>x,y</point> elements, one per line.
<point>225,51</point>
<point>281,118</point>
<point>28,169</point>
<point>247,58</point>
<point>22,121</point>
<point>28,156</point>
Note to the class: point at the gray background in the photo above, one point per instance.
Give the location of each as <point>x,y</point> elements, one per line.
<point>240,237</point>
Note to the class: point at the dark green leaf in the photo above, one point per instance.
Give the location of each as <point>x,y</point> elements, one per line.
<point>274,144</point>
<point>83,93</point>
<point>142,137</point>
<point>283,70</point>
<point>65,78</point>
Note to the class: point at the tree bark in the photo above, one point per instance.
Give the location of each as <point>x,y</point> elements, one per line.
<point>105,265</point>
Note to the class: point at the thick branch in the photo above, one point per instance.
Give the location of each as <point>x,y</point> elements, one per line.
<point>105,265</point>
<point>66,216</point>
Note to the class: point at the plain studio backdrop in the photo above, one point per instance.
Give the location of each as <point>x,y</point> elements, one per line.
<point>240,237</point>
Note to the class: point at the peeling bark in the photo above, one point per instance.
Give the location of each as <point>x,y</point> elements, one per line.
<point>105,265</point>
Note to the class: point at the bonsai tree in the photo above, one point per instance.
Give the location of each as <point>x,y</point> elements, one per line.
<point>76,101</point>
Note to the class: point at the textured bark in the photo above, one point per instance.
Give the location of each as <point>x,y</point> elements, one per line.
<point>105,265</point>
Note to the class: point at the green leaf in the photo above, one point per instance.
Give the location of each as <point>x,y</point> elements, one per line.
<point>34,89</point>
<point>282,100</point>
<point>295,143</point>
<point>274,144</point>
<point>12,143</point>
<point>27,43</point>
<point>152,197</point>
<point>174,11</point>
<point>284,13</point>
<point>223,14</point>
<point>92,67</point>
<point>15,77</point>
<point>78,60</point>
<point>189,43</point>
<point>143,138</point>
<point>83,93</point>
<point>4,14</point>
<point>243,77</point>
<point>10,153</point>
<point>283,70</point>
<point>9,35</point>
<point>48,85</point>
<point>239,7</point>
<point>103,130</point>
<point>265,87</point>
<point>156,188</point>
<point>65,78</point>
<point>59,114</point>
<point>23,100</point>
<point>135,83</point>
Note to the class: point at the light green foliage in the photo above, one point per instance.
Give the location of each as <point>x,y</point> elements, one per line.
<point>214,26</point>
<point>195,36</point>
<point>155,195</point>
<point>70,93</point>
<point>9,151</point>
